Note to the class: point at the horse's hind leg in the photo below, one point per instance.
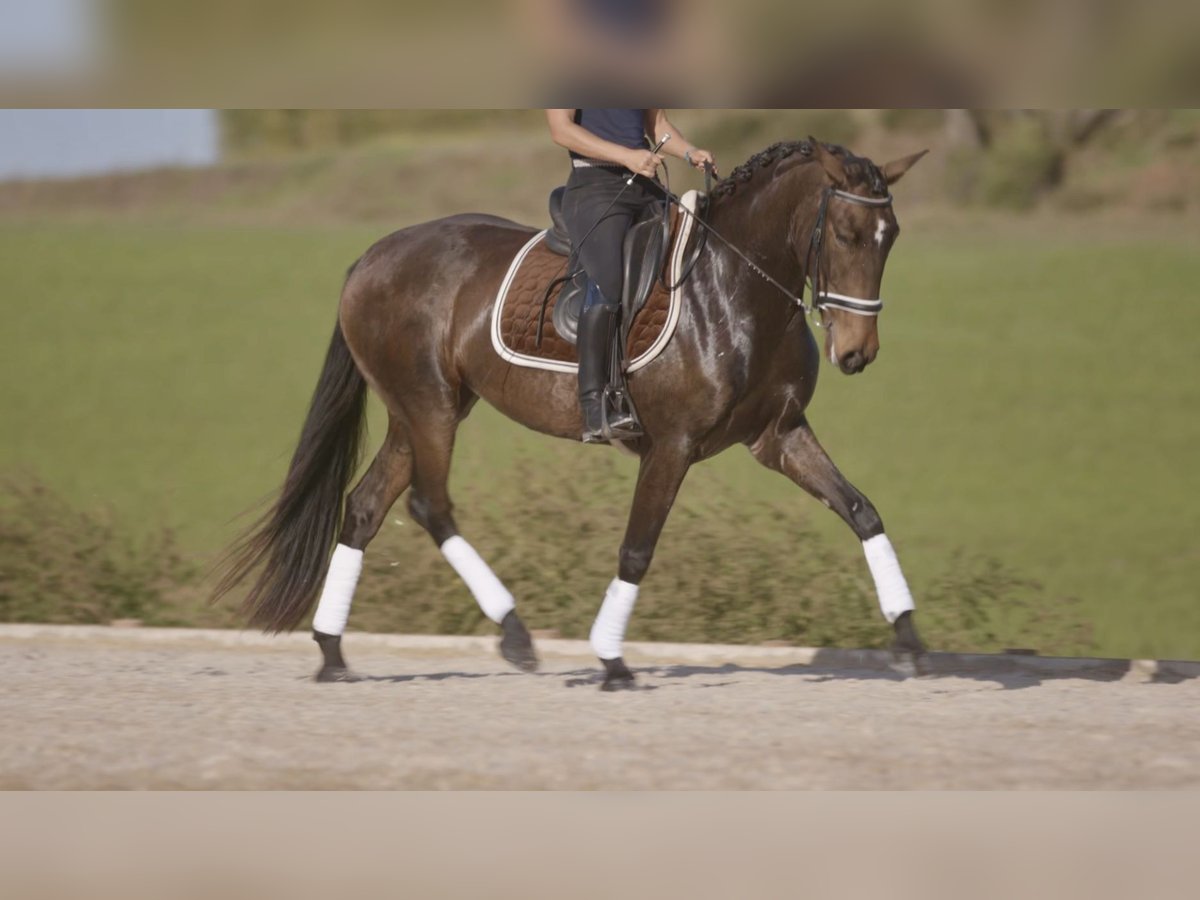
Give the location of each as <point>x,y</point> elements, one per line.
<point>429,504</point>
<point>366,508</point>
<point>795,452</point>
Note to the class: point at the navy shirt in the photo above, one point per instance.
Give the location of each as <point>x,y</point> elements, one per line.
<point>626,127</point>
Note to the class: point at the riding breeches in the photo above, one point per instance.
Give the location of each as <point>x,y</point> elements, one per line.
<point>590,191</point>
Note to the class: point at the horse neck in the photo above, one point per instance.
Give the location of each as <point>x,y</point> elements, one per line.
<point>762,222</point>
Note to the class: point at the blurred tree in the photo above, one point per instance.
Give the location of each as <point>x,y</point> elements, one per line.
<point>1013,157</point>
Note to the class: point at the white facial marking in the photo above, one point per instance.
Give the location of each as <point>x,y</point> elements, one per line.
<point>832,346</point>
<point>880,231</point>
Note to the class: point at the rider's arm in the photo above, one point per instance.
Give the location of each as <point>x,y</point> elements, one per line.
<point>575,137</point>
<point>657,125</point>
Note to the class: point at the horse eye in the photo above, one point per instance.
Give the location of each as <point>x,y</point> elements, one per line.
<point>843,240</point>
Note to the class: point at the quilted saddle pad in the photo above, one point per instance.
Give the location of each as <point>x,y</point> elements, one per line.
<point>519,302</point>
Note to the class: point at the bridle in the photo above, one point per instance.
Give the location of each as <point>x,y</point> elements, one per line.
<point>823,298</point>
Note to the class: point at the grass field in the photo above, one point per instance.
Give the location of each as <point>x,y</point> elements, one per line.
<point>1035,401</point>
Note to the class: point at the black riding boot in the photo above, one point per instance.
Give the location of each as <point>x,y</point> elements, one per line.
<point>594,342</point>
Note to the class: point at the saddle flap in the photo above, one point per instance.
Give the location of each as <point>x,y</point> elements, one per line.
<point>644,254</point>
<point>557,240</point>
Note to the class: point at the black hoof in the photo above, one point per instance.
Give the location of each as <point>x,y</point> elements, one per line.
<point>910,665</point>
<point>617,676</point>
<point>332,674</point>
<point>909,656</point>
<point>516,646</point>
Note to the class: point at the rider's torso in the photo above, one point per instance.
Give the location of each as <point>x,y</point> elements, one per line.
<point>626,127</point>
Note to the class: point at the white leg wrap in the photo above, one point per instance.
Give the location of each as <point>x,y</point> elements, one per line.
<point>894,596</point>
<point>609,629</point>
<point>334,607</point>
<point>491,595</point>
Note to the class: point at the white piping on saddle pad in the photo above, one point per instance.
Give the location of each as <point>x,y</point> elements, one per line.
<point>333,609</point>
<point>652,352</point>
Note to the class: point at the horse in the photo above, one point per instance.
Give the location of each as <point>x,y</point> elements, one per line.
<point>741,368</point>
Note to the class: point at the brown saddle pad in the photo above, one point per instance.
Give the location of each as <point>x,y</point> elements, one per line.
<point>520,307</point>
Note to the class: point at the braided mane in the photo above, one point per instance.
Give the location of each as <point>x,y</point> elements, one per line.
<point>858,169</point>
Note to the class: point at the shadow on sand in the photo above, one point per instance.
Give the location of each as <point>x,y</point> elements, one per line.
<point>1008,672</point>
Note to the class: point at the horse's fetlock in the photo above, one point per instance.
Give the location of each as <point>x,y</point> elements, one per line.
<point>635,562</point>
<point>864,519</point>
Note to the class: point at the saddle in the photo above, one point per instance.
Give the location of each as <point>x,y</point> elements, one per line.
<point>525,330</point>
<point>645,252</point>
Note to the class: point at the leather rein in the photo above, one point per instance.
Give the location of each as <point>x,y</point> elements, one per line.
<point>822,297</point>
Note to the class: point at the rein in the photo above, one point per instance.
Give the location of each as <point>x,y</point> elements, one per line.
<point>822,299</point>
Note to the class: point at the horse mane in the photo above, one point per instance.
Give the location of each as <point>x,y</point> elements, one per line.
<point>860,170</point>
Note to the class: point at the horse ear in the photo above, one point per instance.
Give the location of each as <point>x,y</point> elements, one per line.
<point>893,171</point>
<point>831,164</point>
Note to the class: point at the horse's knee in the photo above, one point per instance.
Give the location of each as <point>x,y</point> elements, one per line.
<point>635,561</point>
<point>434,518</point>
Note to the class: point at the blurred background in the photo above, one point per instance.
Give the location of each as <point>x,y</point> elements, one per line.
<point>424,53</point>
<point>170,278</point>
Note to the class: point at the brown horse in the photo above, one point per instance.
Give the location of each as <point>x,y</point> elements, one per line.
<point>741,369</point>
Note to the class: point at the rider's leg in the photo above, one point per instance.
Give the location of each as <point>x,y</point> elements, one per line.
<point>590,195</point>
<point>597,324</point>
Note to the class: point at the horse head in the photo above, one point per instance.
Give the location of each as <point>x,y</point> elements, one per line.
<point>844,253</point>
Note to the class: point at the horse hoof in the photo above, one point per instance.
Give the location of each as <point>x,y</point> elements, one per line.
<point>617,676</point>
<point>516,645</point>
<point>336,674</point>
<point>611,685</point>
<point>909,656</point>
<point>909,664</point>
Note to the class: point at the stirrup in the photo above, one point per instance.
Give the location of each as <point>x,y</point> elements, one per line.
<point>620,424</point>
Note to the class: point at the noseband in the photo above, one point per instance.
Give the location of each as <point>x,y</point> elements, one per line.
<point>822,297</point>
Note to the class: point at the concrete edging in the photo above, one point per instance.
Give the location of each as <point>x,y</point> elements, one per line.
<point>638,652</point>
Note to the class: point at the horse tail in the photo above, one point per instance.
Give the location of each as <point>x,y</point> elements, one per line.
<point>292,540</point>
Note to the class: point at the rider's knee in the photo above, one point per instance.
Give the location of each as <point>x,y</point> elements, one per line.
<point>597,295</point>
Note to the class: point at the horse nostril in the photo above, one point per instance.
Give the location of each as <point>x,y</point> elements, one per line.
<point>854,361</point>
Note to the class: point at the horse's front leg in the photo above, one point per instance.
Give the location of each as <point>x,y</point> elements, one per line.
<point>659,477</point>
<point>794,450</point>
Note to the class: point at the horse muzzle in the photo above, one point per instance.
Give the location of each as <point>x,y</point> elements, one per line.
<point>854,362</point>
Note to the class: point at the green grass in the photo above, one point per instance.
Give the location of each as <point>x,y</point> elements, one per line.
<point>1034,402</point>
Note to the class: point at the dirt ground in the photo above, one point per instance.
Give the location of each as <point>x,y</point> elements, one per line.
<point>130,712</point>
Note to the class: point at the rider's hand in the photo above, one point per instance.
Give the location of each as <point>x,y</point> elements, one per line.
<point>643,162</point>
<point>698,158</point>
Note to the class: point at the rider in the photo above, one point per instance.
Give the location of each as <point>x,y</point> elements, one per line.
<point>605,146</point>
